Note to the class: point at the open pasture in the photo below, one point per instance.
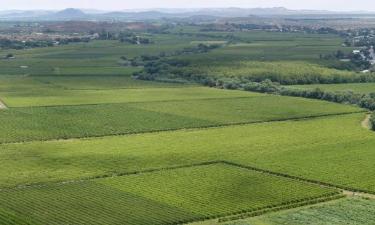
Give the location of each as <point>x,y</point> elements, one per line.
<point>160,197</point>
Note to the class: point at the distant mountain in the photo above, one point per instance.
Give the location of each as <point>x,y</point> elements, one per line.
<point>85,14</point>
<point>136,15</point>
<point>68,14</point>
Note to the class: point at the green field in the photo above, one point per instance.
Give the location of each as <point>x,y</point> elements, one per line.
<point>364,88</point>
<point>61,122</point>
<point>345,211</point>
<point>162,197</point>
<point>59,97</point>
<point>313,145</point>
<point>84,142</point>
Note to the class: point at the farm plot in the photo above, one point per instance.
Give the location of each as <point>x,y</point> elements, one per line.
<point>344,211</point>
<point>81,97</point>
<point>334,149</point>
<point>62,122</point>
<point>160,197</point>
<point>244,110</point>
<point>46,123</point>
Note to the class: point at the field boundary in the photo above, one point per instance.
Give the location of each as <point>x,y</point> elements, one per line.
<point>214,126</point>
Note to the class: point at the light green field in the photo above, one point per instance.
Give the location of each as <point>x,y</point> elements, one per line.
<point>364,88</point>
<point>77,125</point>
<point>334,149</point>
<point>345,211</point>
<point>55,97</point>
<point>61,122</point>
<point>162,197</point>
<point>243,110</point>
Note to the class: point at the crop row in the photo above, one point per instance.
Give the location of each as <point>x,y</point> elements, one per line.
<point>166,196</point>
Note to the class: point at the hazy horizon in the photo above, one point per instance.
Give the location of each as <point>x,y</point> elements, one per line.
<point>333,5</point>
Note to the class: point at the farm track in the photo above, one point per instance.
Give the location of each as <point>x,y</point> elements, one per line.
<point>187,129</point>
<point>366,122</point>
<point>2,105</point>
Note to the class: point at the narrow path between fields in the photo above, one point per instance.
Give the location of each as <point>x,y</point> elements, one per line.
<point>366,122</point>
<point>2,105</point>
<point>358,194</point>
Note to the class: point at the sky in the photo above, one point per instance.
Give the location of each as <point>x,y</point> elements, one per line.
<point>336,5</point>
